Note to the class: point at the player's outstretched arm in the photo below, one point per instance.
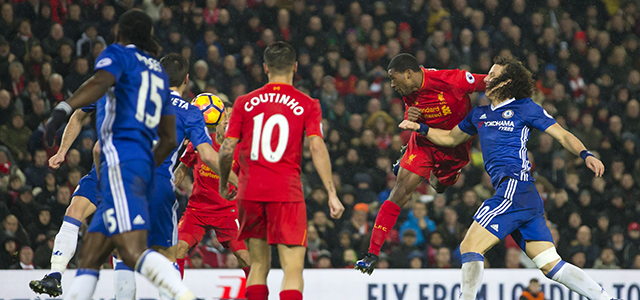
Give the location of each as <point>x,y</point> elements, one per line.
<point>575,146</point>
<point>322,162</point>
<point>446,138</point>
<point>211,158</point>
<point>168,141</point>
<point>226,162</point>
<point>71,132</point>
<point>179,174</point>
<point>90,91</point>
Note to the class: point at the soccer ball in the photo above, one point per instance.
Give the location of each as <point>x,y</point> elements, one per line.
<point>211,106</point>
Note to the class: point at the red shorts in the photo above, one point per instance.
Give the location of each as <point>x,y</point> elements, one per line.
<point>277,222</point>
<point>423,158</point>
<point>194,225</point>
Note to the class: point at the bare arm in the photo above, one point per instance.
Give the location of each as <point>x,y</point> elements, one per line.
<point>168,141</point>
<point>211,157</point>
<point>96,157</point>
<point>92,89</point>
<point>322,162</point>
<point>440,137</point>
<point>71,132</point>
<point>226,162</point>
<point>179,174</point>
<point>575,146</point>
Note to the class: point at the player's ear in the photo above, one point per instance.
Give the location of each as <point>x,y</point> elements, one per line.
<point>407,74</point>
<point>295,67</point>
<point>266,69</point>
<point>186,80</point>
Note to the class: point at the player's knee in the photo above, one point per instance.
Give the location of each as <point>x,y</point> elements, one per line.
<point>181,249</point>
<point>547,260</point>
<point>243,258</point>
<point>75,211</point>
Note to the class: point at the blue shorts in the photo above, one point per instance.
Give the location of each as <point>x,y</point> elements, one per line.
<point>124,191</point>
<point>88,187</point>
<point>163,209</point>
<point>515,209</point>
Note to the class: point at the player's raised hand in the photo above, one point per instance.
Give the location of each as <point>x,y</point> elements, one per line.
<point>413,113</point>
<point>595,165</point>
<point>335,206</point>
<point>409,125</point>
<point>56,160</point>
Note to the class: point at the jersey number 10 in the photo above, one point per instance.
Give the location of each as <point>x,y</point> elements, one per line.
<point>151,121</point>
<point>265,133</point>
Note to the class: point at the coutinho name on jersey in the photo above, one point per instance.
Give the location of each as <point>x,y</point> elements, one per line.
<point>275,98</point>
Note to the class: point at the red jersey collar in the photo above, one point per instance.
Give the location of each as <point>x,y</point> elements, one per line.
<point>424,78</point>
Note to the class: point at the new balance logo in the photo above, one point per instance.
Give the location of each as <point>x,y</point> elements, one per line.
<point>494,227</point>
<point>138,220</point>
<point>57,253</point>
<point>484,116</point>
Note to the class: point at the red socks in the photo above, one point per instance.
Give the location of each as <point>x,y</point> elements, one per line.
<point>246,271</point>
<point>386,219</point>
<point>180,262</point>
<point>258,292</point>
<point>290,295</point>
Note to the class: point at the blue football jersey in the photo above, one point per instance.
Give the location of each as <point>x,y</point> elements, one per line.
<point>189,125</point>
<point>130,113</point>
<point>504,131</point>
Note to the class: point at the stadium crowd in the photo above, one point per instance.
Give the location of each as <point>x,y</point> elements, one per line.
<point>584,54</point>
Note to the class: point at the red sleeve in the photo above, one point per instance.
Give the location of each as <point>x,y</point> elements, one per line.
<point>189,157</point>
<point>235,123</point>
<point>468,82</point>
<point>313,123</point>
<point>406,111</point>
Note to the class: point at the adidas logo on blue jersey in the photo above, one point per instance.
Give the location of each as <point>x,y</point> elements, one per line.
<point>138,220</point>
<point>494,227</point>
<point>484,116</point>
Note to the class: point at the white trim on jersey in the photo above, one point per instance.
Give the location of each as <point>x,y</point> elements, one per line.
<point>116,183</point>
<point>524,176</point>
<point>502,104</point>
<point>174,222</point>
<point>506,203</point>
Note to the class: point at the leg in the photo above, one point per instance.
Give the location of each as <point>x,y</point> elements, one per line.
<point>67,238</point>
<point>96,249</point>
<point>124,281</point>
<point>292,260</point>
<point>64,246</point>
<point>239,249</point>
<point>261,264</point>
<point>544,255</point>
<point>473,247</point>
<point>388,215</point>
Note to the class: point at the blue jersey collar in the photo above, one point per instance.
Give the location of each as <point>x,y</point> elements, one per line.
<point>505,103</point>
<point>176,94</point>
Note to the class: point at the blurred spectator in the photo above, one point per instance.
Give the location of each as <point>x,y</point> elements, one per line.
<point>607,260</point>
<point>583,244</point>
<point>37,171</point>
<point>533,291</point>
<point>399,257</point>
<point>16,136</point>
<point>42,255</point>
<point>13,229</point>
<point>25,257</point>
<point>419,222</point>
<point>39,228</point>
<point>415,259</point>
<point>451,230</point>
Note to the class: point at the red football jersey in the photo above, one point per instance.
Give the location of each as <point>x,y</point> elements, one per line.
<point>443,98</point>
<point>270,123</point>
<point>206,196</point>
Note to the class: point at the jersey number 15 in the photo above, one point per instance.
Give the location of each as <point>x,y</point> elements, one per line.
<point>151,121</point>
<point>265,133</point>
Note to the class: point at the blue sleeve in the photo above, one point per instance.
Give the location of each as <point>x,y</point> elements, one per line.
<point>467,126</point>
<point>196,128</point>
<point>89,108</point>
<point>536,116</point>
<point>110,61</point>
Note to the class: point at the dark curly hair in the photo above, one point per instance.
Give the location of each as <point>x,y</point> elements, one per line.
<point>522,84</point>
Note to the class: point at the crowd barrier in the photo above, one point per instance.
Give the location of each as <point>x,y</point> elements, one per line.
<point>338,284</point>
